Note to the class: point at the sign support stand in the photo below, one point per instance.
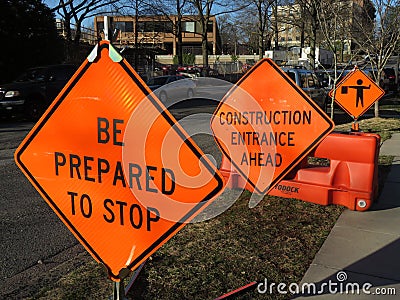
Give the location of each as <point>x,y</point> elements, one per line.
<point>106,28</point>
<point>134,277</point>
<point>118,291</point>
<point>355,126</point>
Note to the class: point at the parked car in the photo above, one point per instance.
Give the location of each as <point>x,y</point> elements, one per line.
<point>33,91</point>
<point>389,80</point>
<point>308,81</point>
<point>327,77</point>
<point>172,88</point>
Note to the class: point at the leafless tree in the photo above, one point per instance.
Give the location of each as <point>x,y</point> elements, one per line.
<point>77,11</point>
<point>135,8</point>
<point>310,25</point>
<point>380,40</point>
<point>276,19</point>
<point>334,18</point>
<point>263,9</point>
<point>204,10</point>
<point>173,11</point>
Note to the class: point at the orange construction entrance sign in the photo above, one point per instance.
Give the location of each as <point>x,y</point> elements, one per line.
<point>266,124</point>
<point>114,164</point>
<point>356,93</point>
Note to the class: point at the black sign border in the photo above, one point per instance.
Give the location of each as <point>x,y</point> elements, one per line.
<point>343,81</point>
<point>85,66</point>
<point>304,153</point>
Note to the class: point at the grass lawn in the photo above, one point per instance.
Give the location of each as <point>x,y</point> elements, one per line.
<point>277,240</point>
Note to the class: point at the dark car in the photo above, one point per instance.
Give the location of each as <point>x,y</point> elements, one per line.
<point>33,91</point>
<point>389,80</point>
<point>308,81</point>
<point>327,77</point>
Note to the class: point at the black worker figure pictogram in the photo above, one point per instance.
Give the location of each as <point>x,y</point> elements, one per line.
<point>359,91</point>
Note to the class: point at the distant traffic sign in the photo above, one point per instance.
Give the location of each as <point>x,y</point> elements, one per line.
<point>114,164</point>
<point>356,93</point>
<point>266,124</point>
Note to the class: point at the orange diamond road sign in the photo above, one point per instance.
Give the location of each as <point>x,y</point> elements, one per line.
<point>356,93</point>
<point>114,164</point>
<point>266,124</point>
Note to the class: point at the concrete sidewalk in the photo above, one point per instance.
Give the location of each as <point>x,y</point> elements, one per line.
<point>363,247</point>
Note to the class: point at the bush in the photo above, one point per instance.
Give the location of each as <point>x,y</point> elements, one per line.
<point>29,35</point>
<point>187,59</point>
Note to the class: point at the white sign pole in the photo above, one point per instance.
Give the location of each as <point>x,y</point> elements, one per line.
<point>106,28</point>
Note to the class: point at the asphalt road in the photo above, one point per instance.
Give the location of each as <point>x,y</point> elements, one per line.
<point>30,231</point>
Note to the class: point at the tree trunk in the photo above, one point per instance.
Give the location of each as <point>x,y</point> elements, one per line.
<point>179,51</point>
<point>312,51</point>
<point>178,28</point>
<point>276,29</point>
<point>204,52</point>
<point>67,25</point>
<point>260,31</point>
<point>78,33</point>
<point>260,45</point>
<point>136,41</point>
<point>376,109</point>
<point>313,42</point>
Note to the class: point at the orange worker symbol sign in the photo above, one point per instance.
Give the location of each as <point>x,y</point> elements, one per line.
<point>356,93</point>
<point>115,165</point>
<point>266,124</point>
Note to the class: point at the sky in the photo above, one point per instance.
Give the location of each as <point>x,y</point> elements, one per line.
<point>54,3</point>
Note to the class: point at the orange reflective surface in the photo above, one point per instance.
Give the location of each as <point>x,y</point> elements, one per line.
<point>356,93</point>
<point>114,165</point>
<point>266,124</point>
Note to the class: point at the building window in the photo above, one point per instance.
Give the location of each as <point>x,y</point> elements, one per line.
<point>100,27</point>
<point>158,26</point>
<point>189,27</point>
<point>282,39</point>
<point>141,26</point>
<point>59,24</point>
<point>151,26</point>
<point>168,27</point>
<point>123,26</point>
<point>210,26</point>
<point>128,26</point>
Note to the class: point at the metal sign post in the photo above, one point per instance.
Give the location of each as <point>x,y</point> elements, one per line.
<point>106,28</point>
<point>118,291</point>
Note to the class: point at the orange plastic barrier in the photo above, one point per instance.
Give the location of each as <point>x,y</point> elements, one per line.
<point>351,179</point>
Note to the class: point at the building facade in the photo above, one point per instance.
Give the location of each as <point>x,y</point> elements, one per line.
<point>289,33</point>
<point>158,33</point>
<point>293,23</point>
<point>88,35</point>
